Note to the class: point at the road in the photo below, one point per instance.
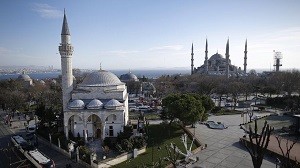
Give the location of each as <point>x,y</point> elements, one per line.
<point>9,155</point>
<point>18,128</point>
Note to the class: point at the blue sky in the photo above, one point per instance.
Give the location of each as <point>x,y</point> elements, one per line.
<point>140,34</point>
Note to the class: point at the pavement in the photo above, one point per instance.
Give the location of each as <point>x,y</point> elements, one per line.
<point>17,127</point>
<point>223,147</point>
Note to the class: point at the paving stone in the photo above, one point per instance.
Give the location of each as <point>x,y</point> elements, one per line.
<point>214,160</point>
<point>228,164</point>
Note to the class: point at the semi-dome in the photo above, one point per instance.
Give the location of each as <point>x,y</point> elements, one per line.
<point>128,77</point>
<point>95,104</point>
<point>216,56</point>
<point>112,104</point>
<point>76,104</point>
<point>101,78</point>
<point>24,77</point>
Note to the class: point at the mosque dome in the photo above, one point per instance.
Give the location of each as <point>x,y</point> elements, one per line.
<point>24,77</point>
<point>95,104</point>
<point>76,104</point>
<point>101,78</point>
<point>216,56</point>
<point>129,77</point>
<point>42,82</point>
<point>112,104</point>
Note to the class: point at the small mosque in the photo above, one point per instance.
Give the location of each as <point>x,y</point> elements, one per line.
<point>98,106</point>
<point>25,80</point>
<point>218,64</point>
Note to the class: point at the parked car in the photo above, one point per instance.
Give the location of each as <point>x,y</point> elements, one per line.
<point>31,128</point>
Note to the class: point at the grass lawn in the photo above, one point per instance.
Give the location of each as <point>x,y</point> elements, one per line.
<point>158,135</point>
<point>274,121</point>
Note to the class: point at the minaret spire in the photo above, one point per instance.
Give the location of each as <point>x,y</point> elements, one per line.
<point>65,27</point>
<point>206,58</point>
<point>245,57</point>
<point>192,59</point>
<point>227,58</point>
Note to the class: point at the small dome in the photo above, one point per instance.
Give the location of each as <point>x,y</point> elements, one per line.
<point>95,104</point>
<point>76,104</point>
<point>216,56</point>
<point>53,81</point>
<point>24,77</point>
<point>112,104</point>
<point>42,82</point>
<point>128,77</point>
<point>101,78</point>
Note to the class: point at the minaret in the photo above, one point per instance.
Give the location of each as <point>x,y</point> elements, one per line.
<point>206,58</point>
<point>192,59</point>
<point>66,51</point>
<point>245,58</point>
<point>227,58</point>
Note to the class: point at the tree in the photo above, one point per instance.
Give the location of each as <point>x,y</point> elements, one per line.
<point>286,161</point>
<point>187,108</point>
<point>258,143</point>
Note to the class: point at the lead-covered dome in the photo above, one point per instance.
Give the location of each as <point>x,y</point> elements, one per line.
<point>113,104</point>
<point>101,78</point>
<point>76,104</point>
<point>95,104</point>
<point>24,77</point>
<point>216,56</point>
<point>128,77</point>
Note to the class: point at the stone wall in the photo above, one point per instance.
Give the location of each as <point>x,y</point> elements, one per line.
<point>119,159</point>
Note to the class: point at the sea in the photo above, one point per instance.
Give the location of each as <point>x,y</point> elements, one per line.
<point>139,73</point>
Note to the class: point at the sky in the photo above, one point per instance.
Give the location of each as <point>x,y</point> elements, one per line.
<point>149,34</point>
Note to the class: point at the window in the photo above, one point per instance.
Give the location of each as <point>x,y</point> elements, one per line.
<point>111,131</point>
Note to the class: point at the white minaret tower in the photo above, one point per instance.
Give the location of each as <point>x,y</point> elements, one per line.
<point>66,51</point>
<point>192,60</point>
<point>227,59</point>
<point>245,58</point>
<point>206,58</point>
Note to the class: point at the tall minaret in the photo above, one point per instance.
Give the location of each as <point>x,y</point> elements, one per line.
<point>245,58</point>
<point>227,58</point>
<point>206,58</point>
<point>192,59</point>
<point>66,51</point>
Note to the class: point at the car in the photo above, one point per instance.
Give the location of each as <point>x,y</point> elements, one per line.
<point>31,128</point>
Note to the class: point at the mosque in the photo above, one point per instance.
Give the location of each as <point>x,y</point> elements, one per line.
<point>98,106</point>
<point>217,64</point>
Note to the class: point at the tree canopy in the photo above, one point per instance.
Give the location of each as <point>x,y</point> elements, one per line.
<point>188,108</point>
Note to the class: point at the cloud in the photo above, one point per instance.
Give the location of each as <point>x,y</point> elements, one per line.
<point>167,47</point>
<point>47,11</point>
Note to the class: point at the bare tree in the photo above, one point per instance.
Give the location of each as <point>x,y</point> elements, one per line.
<point>258,143</point>
<point>286,161</point>
<point>173,154</point>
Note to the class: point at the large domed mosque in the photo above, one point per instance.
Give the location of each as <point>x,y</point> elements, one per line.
<point>218,64</point>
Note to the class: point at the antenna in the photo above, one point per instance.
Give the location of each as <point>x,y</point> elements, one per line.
<point>277,58</point>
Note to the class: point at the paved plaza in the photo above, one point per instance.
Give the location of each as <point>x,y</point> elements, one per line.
<point>223,147</point>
